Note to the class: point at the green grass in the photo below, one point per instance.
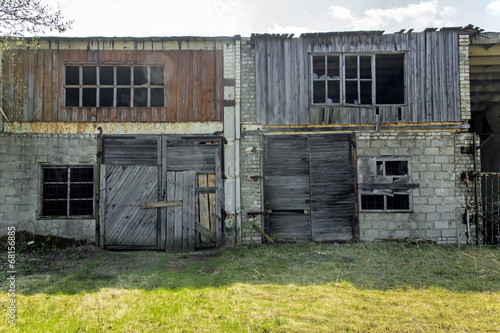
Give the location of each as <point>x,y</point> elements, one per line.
<point>365,287</point>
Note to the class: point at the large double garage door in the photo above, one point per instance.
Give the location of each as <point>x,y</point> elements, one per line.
<point>161,192</point>
<point>309,190</point>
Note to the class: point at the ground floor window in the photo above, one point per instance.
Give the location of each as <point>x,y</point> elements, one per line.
<point>385,184</point>
<point>67,191</point>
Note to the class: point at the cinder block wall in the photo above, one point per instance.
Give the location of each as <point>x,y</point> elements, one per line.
<point>250,151</point>
<point>437,163</point>
<point>21,157</point>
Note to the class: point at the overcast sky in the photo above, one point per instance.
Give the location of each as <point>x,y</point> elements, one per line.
<point>143,18</point>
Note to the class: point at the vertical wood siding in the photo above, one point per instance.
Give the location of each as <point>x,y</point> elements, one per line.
<point>283,77</point>
<point>193,85</point>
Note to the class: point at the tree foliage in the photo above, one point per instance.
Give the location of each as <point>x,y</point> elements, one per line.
<point>21,17</point>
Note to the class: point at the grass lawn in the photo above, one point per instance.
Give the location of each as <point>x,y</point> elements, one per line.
<point>364,287</point>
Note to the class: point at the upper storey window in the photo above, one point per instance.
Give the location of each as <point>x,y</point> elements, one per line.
<point>364,79</point>
<point>114,86</point>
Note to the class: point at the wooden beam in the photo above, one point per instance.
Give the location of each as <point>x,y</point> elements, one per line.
<point>161,204</point>
<point>484,50</point>
<point>387,186</point>
<point>205,232</point>
<point>484,61</point>
<point>484,69</point>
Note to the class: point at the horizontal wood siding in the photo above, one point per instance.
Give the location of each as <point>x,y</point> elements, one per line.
<point>193,85</point>
<point>286,189</point>
<point>332,187</point>
<point>309,187</point>
<point>131,150</point>
<point>283,77</point>
<point>192,154</point>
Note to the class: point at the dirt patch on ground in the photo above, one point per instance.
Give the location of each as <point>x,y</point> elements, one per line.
<point>107,263</point>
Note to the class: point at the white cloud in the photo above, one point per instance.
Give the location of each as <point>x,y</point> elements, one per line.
<point>418,16</point>
<point>341,13</point>
<point>494,8</point>
<point>289,29</point>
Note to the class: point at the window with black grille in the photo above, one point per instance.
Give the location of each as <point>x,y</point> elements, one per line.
<point>114,86</point>
<point>67,191</point>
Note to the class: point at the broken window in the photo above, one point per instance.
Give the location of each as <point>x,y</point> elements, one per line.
<point>67,191</point>
<point>368,79</point>
<point>114,86</point>
<point>385,184</point>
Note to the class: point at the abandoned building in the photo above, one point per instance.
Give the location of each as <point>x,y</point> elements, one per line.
<point>184,143</point>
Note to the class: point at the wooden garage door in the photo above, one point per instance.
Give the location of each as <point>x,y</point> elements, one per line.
<point>130,178</point>
<point>309,187</point>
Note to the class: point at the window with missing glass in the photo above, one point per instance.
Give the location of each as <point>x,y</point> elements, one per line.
<point>358,79</point>
<point>114,86</point>
<point>67,191</point>
<point>385,184</point>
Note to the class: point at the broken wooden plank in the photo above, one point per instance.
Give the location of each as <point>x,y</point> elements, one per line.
<point>269,239</point>
<point>161,204</point>
<point>205,232</point>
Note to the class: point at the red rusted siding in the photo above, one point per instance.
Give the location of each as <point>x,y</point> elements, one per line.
<point>193,86</point>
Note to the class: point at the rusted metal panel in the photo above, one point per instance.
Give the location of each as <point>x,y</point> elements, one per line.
<point>193,85</point>
<point>114,128</point>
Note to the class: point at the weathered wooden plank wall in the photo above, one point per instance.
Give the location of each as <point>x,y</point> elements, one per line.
<point>193,85</point>
<point>127,225</point>
<point>283,77</point>
<point>309,194</point>
<point>332,187</point>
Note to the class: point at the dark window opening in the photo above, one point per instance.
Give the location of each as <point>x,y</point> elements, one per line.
<point>73,75</point>
<point>140,97</point>
<point>326,79</point>
<point>157,76</point>
<point>398,202</point>
<point>140,75</point>
<point>106,97</point>
<point>89,97</point>
<point>123,75</point>
<point>390,78</point>
<point>67,191</point>
<point>396,168</point>
<point>123,97</point>
<point>106,75</point>
<point>89,75</point>
<point>157,97</point>
<point>72,96</point>
<point>372,202</point>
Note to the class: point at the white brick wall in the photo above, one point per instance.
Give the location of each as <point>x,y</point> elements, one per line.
<point>439,202</point>
<point>20,158</point>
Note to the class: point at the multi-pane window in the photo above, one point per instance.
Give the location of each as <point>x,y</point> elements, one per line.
<point>366,79</point>
<point>67,191</point>
<point>387,195</point>
<point>114,86</point>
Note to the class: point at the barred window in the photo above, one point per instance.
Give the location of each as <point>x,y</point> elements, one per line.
<point>114,86</point>
<point>67,191</point>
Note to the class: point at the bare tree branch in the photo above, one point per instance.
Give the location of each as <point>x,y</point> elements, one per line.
<point>20,17</point>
